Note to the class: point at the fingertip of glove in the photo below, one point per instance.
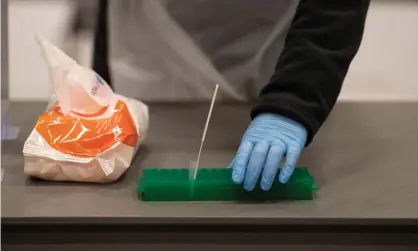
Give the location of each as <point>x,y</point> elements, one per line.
<point>265,186</point>
<point>236,180</point>
<point>249,187</point>
<point>285,174</point>
<point>283,179</point>
<point>237,177</point>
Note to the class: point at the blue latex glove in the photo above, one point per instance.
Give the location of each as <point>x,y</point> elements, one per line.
<point>267,139</point>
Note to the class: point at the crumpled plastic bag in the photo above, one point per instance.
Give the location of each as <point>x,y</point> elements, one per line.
<point>88,133</point>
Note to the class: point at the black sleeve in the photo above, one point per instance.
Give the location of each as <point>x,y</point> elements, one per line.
<point>100,53</point>
<point>323,39</point>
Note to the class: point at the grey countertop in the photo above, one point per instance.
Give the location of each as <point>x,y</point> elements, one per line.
<point>363,158</point>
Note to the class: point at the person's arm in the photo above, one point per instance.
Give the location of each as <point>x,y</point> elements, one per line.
<point>324,37</point>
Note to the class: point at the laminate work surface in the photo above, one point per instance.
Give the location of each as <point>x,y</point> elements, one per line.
<point>364,160</point>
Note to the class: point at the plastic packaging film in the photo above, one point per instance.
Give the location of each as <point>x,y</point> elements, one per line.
<point>88,133</point>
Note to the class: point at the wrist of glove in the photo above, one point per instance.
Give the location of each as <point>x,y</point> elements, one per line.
<point>270,141</point>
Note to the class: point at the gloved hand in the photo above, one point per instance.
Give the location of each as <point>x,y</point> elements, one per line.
<point>268,138</point>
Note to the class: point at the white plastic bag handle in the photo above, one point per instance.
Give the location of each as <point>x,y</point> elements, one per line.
<point>77,88</point>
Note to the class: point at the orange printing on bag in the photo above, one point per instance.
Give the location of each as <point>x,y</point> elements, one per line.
<point>87,137</point>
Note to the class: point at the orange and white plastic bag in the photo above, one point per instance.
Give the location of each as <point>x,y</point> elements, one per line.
<point>88,133</point>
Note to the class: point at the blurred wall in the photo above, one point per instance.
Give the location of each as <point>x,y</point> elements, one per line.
<point>385,68</point>
<point>50,19</point>
<point>1,45</point>
<point>3,51</point>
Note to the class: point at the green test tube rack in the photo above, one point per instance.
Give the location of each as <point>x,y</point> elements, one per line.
<point>215,184</point>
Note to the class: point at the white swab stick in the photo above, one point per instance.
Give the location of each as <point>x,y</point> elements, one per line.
<point>204,131</point>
